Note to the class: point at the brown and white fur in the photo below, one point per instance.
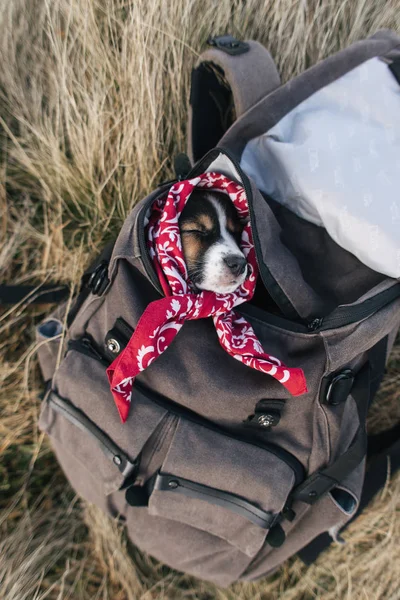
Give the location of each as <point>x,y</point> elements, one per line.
<point>210,231</point>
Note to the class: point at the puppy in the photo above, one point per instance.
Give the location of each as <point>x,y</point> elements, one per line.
<point>211,231</point>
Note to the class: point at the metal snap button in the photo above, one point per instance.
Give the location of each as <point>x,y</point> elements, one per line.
<point>266,420</point>
<point>113,346</point>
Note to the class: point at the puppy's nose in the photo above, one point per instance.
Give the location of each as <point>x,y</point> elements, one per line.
<point>236,264</point>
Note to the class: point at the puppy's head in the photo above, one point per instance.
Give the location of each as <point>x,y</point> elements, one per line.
<point>211,231</point>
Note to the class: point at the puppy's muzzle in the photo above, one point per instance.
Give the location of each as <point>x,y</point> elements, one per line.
<point>236,264</point>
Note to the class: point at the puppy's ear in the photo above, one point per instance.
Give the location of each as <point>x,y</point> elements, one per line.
<point>244,221</point>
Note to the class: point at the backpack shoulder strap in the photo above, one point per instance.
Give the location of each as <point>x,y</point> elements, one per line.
<point>34,294</point>
<point>93,279</point>
<point>227,80</point>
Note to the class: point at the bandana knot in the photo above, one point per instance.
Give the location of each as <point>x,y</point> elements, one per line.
<point>162,319</point>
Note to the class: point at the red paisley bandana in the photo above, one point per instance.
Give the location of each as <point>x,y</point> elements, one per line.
<point>162,319</point>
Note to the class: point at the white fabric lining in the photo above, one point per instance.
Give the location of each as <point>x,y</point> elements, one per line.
<point>223,165</point>
<point>335,161</point>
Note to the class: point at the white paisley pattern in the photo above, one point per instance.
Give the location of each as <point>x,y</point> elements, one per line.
<point>162,319</point>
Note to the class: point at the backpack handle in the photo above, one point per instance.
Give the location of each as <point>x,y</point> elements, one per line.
<point>227,80</point>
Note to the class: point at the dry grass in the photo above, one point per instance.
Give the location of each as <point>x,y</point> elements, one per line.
<point>92,108</point>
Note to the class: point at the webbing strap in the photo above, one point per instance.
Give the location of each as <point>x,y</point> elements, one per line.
<point>364,386</point>
<point>375,479</point>
<point>45,294</point>
<point>321,482</point>
<point>53,293</point>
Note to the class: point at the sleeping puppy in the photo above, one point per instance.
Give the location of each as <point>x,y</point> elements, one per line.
<point>211,231</point>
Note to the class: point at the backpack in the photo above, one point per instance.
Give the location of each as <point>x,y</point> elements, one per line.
<point>218,470</point>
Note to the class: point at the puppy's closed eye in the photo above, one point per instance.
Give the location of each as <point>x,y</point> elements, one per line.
<point>195,230</point>
<point>211,232</point>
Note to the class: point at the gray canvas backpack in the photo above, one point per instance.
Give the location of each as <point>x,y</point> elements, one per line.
<point>218,471</point>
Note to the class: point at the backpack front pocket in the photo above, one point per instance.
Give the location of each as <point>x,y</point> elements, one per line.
<point>98,453</point>
<point>223,486</point>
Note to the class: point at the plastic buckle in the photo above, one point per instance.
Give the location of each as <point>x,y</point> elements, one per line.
<point>98,280</point>
<point>340,387</point>
<point>229,44</point>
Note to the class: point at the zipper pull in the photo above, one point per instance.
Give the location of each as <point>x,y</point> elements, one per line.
<point>87,342</point>
<point>276,536</point>
<point>315,324</point>
<point>288,513</point>
<point>86,346</point>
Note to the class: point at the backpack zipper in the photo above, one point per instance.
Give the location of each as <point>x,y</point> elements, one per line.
<point>74,415</point>
<point>87,347</point>
<point>340,317</point>
<point>167,482</point>
<point>346,315</point>
<point>144,253</point>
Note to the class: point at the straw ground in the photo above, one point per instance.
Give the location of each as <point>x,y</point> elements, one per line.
<point>93,97</point>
